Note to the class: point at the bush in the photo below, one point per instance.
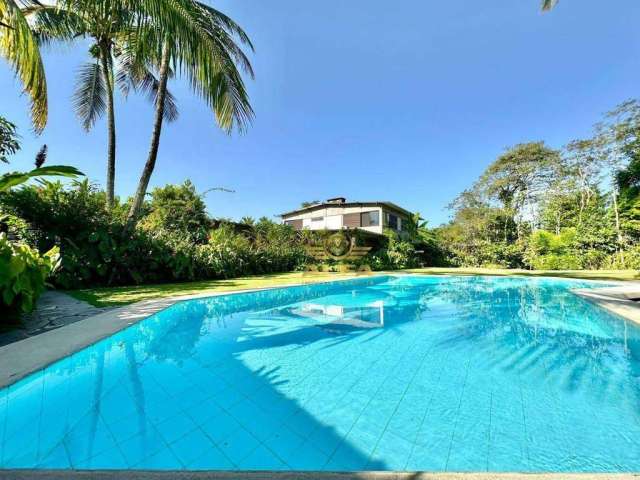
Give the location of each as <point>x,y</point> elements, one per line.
<point>95,251</point>
<point>395,254</point>
<point>23,274</point>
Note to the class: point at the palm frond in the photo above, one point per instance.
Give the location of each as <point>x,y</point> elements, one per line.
<point>19,46</point>
<point>133,75</point>
<point>548,5</point>
<point>53,23</point>
<point>89,99</point>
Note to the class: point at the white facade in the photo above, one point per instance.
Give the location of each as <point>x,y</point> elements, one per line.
<point>332,217</point>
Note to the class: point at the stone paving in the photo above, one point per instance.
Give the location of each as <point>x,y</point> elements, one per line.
<point>54,310</point>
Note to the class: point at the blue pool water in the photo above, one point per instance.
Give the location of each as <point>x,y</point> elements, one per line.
<point>385,373</point>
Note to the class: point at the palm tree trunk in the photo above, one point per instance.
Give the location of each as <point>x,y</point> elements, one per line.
<point>111,125</point>
<point>155,137</point>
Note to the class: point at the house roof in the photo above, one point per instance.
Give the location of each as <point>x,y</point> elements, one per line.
<point>323,205</point>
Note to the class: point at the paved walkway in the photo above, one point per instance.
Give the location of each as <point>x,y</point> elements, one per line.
<point>54,310</point>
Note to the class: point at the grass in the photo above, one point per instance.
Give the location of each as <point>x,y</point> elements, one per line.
<point>118,296</point>
<point>619,275</point>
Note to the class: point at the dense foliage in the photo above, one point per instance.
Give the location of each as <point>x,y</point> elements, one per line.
<point>175,240</point>
<point>536,207</point>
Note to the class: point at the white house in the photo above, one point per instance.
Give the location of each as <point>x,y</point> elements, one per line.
<point>338,214</point>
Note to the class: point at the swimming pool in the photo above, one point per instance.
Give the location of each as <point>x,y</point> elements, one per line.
<point>382,373</point>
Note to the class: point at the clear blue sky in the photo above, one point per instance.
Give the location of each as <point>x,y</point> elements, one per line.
<point>403,101</point>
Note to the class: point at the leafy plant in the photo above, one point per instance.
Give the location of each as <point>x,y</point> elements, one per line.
<point>23,274</point>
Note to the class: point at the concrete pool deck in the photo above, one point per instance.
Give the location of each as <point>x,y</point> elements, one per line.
<point>268,475</point>
<point>623,300</point>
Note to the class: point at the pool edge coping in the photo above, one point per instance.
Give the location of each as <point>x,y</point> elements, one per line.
<point>20,359</point>
<point>291,475</point>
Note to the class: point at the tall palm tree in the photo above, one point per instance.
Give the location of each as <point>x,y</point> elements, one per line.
<point>109,24</point>
<point>205,52</point>
<point>19,46</point>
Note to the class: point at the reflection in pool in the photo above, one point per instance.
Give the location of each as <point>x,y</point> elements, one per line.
<point>382,373</point>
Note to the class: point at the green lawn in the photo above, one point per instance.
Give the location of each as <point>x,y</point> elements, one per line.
<point>623,275</point>
<point>117,296</point>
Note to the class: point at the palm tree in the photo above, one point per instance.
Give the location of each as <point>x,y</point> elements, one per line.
<point>548,4</point>
<point>200,44</point>
<point>109,24</point>
<point>20,48</point>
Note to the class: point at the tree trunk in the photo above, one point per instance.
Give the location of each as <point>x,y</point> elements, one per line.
<point>105,53</point>
<point>155,138</point>
<point>614,193</point>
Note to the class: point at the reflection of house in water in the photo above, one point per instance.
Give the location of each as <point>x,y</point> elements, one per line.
<point>339,318</point>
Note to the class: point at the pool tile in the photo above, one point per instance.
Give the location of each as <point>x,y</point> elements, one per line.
<point>221,427</point>
<point>176,427</point>
<point>394,449</point>
<point>285,443</point>
<point>156,412</point>
<point>142,446</point>
<point>109,460</point>
<point>161,460</point>
<point>307,457</point>
<point>228,397</point>
<point>88,439</point>
<point>55,458</point>
<point>238,446</point>
<point>128,427</point>
<point>262,459</point>
<point>261,425</point>
<point>211,459</point>
<point>191,446</point>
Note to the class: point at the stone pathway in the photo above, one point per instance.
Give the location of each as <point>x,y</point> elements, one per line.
<point>54,310</point>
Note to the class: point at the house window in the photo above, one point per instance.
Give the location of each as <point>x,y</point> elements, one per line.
<point>370,219</point>
<point>317,219</point>
<point>392,221</point>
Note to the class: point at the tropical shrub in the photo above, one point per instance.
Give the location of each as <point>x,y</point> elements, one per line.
<point>177,208</point>
<point>96,249</point>
<point>548,251</point>
<point>396,253</point>
<point>23,274</point>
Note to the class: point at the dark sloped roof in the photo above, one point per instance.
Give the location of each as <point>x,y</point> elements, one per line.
<point>320,206</point>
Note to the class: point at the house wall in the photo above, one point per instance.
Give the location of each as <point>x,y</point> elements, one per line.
<point>333,218</point>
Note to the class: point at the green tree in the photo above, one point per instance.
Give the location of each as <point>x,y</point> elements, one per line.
<point>19,47</point>
<point>518,178</point>
<point>177,208</point>
<point>201,47</point>
<point>110,26</point>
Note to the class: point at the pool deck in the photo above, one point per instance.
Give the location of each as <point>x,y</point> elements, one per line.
<point>618,300</point>
<point>268,475</point>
